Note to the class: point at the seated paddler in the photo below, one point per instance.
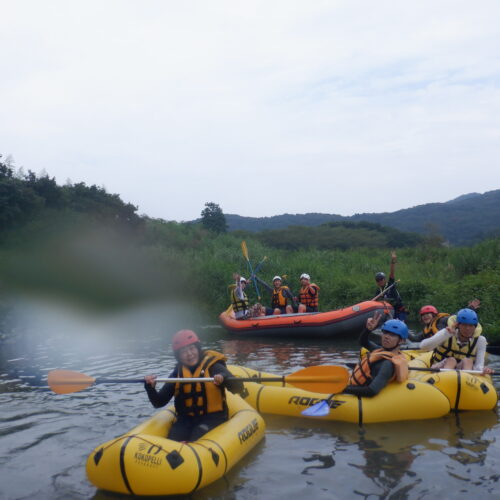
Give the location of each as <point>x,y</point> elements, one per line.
<point>460,345</point>
<point>200,406</point>
<point>433,321</point>
<point>380,365</point>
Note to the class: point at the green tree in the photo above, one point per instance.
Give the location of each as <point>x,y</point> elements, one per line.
<point>213,218</point>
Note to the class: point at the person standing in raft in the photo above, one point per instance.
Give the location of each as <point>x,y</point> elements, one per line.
<point>380,365</point>
<point>239,299</point>
<point>200,406</point>
<point>280,296</point>
<point>434,321</point>
<point>308,295</point>
<point>460,345</point>
<point>387,290</point>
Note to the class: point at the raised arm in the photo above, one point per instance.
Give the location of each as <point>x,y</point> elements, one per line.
<point>263,283</point>
<point>394,259</point>
<point>371,324</point>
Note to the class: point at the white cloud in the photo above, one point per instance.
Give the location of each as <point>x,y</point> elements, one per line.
<point>263,107</point>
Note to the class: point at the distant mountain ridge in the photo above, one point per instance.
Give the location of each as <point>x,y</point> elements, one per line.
<point>462,221</point>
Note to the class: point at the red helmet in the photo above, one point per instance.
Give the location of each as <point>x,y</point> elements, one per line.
<point>428,309</point>
<point>183,338</point>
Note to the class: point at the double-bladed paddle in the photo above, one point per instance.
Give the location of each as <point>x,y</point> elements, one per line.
<point>244,250</point>
<point>425,369</point>
<point>323,379</point>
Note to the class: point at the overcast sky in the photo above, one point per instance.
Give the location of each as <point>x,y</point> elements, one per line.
<point>263,107</point>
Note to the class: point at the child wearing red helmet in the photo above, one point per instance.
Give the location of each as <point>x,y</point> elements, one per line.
<point>432,321</point>
<point>200,406</point>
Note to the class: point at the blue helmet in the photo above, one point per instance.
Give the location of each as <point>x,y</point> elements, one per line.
<point>467,317</point>
<point>397,327</point>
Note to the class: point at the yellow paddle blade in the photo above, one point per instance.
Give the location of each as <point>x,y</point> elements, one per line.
<point>244,249</point>
<point>324,379</point>
<point>67,381</point>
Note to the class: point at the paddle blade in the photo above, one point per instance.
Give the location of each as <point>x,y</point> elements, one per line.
<point>320,409</point>
<point>325,379</point>
<point>67,381</point>
<point>244,249</point>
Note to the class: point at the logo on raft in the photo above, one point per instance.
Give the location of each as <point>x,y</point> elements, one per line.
<point>305,401</point>
<point>148,458</point>
<point>472,382</point>
<point>248,431</point>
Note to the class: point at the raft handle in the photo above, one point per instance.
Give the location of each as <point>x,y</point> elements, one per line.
<point>174,458</point>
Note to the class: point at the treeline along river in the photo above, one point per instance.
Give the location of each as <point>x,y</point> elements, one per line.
<point>45,438</point>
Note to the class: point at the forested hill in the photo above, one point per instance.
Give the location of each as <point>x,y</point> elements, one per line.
<point>462,221</point>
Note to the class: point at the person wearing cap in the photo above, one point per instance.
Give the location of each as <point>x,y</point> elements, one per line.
<point>239,299</point>
<point>382,364</point>
<point>460,345</point>
<point>200,406</point>
<point>280,296</point>
<point>387,290</point>
<point>308,295</point>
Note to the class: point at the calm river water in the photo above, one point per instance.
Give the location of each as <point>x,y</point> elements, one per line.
<point>45,438</point>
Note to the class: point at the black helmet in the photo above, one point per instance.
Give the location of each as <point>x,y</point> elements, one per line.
<point>380,276</point>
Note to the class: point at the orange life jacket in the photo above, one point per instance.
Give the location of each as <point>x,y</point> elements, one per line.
<point>432,327</point>
<point>307,298</point>
<point>199,398</point>
<point>362,374</point>
<point>278,299</point>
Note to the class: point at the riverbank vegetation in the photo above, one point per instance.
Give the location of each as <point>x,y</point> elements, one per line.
<point>83,244</point>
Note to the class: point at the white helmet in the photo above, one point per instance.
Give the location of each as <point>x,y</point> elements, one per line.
<point>276,278</point>
<point>243,280</point>
<point>306,276</point>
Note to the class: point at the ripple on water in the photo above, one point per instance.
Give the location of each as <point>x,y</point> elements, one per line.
<point>297,458</point>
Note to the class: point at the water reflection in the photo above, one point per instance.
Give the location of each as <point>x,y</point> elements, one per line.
<point>395,459</point>
<point>281,355</point>
<point>420,459</point>
<point>326,462</point>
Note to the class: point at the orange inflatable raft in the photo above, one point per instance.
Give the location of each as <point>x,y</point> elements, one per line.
<point>340,322</point>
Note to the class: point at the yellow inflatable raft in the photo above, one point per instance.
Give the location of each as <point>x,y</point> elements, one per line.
<point>144,462</point>
<point>466,391</point>
<point>411,400</point>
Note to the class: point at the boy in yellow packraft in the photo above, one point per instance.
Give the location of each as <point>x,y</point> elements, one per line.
<point>382,364</point>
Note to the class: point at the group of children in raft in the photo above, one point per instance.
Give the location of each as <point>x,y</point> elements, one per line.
<point>202,406</point>
<point>284,302</point>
